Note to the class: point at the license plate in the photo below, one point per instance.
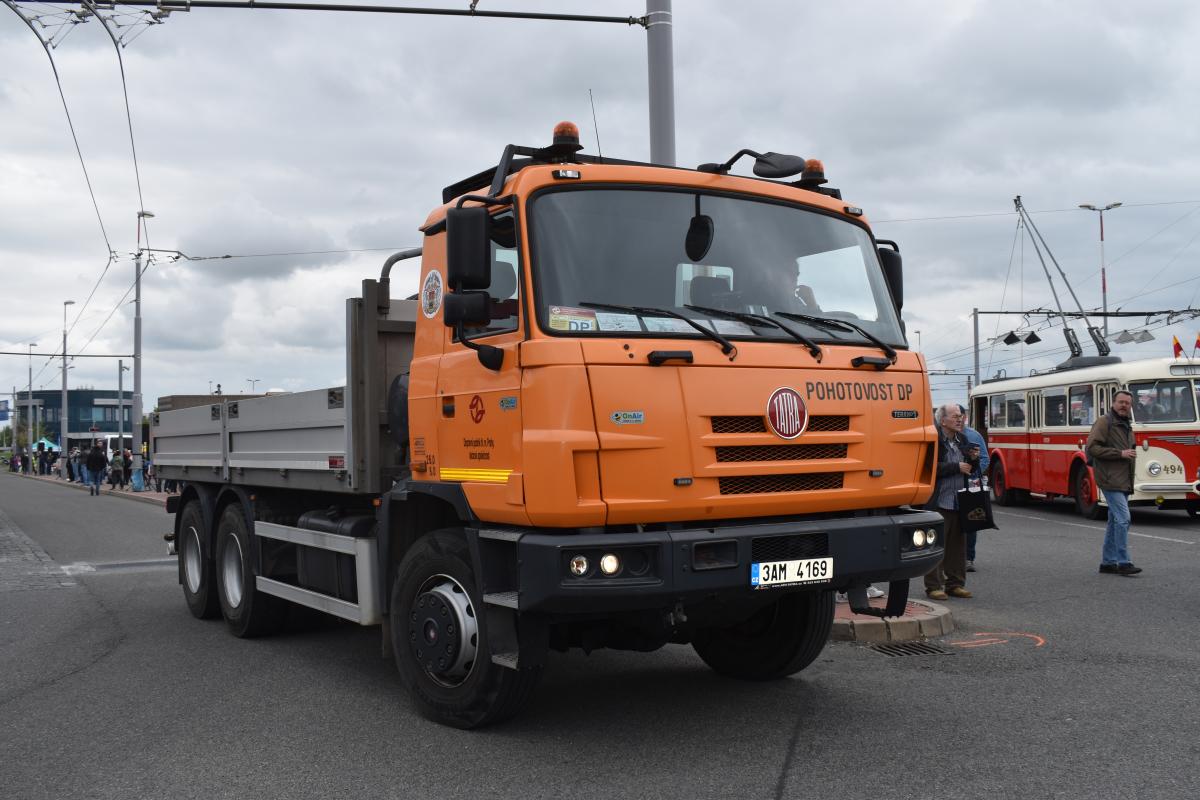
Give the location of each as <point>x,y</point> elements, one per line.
<point>768,574</point>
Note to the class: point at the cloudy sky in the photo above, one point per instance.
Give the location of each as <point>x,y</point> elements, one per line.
<point>331,135</point>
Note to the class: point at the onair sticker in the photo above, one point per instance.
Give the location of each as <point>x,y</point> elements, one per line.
<point>431,294</point>
<point>786,413</point>
<point>628,417</point>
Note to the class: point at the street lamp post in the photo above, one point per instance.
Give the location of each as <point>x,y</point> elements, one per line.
<point>253,382</point>
<point>136,421</point>
<point>63,452</point>
<point>29,419</point>
<point>1103,272</point>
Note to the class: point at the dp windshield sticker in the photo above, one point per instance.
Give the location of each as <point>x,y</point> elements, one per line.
<point>569,318</point>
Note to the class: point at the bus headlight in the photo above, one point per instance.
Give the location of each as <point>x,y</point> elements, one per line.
<point>918,537</point>
<point>1154,468</point>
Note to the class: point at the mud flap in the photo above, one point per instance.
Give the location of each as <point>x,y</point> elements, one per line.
<point>897,600</point>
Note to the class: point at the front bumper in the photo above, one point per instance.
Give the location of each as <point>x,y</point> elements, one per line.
<point>661,568</point>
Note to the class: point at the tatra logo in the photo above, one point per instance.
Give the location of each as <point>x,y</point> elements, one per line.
<point>787,413</point>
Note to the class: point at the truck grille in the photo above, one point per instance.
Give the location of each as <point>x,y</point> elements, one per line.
<point>773,484</point>
<point>790,548</point>
<point>822,423</point>
<point>782,452</point>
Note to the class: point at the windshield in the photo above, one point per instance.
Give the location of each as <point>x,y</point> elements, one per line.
<point>669,250</point>
<point>1163,401</point>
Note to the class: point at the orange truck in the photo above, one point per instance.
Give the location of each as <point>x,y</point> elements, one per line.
<point>630,405</point>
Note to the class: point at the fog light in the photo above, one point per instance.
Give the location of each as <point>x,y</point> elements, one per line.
<point>579,566</point>
<point>918,537</point>
<point>1154,468</point>
<point>610,564</point>
<point>930,536</point>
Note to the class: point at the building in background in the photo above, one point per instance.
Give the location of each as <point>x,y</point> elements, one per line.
<point>92,414</point>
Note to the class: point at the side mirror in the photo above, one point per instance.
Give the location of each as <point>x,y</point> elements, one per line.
<point>893,273</point>
<point>778,165</point>
<point>468,248</point>
<point>466,308</point>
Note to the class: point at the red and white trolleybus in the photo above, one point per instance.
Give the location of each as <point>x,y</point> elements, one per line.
<point>1037,428</point>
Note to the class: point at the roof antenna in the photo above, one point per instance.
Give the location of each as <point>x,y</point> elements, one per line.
<point>595,124</point>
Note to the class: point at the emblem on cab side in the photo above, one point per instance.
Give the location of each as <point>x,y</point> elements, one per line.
<point>786,413</point>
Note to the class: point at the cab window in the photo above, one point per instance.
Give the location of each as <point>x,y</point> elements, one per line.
<point>505,289</point>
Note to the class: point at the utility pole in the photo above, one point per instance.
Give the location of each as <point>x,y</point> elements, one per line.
<point>661,63</point>
<point>29,419</point>
<point>1103,272</point>
<point>136,421</point>
<point>63,415</point>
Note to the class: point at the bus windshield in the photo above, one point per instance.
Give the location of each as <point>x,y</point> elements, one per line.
<point>1163,401</point>
<point>595,247</point>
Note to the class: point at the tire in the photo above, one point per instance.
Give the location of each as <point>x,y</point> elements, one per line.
<point>1084,490</point>
<point>1002,493</point>
<point>1193,509</point>
<point>776,641</point>
<point>435,603</point>
<point>195,566</point>
<point>248,611</point>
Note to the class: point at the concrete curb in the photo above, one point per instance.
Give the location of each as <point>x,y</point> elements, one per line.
<point>141,497</point>
<point>921,620</point>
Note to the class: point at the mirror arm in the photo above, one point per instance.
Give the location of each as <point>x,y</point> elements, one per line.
<point>489,356</point>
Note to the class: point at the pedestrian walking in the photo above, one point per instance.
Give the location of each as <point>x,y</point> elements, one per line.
<point>96,462</point>
<point>949,577</point>
<point>1111,452</point>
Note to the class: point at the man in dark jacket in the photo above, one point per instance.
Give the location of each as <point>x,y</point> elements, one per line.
<point>1110,446</point>
<point>955,456</point>
<point>96,462</point>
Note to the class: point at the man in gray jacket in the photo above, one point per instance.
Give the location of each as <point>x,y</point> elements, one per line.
<point>1110,447</point>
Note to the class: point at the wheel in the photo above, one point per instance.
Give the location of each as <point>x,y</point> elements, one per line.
<point>776,641</point>
<point>248,611</point>
<point>1193,509</point>
<point>1002,493</point>
<point>1084,489</point>
<point>195,566</point>
<point>439,636</point>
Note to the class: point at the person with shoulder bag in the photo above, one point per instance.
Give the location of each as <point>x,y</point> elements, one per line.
<point>1111,450</point>
<point>949,577</point>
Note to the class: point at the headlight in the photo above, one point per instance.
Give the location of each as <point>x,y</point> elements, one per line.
<point>918,537</point>
<point>579,566</point>
<point>1154,468</point>
<point>931,536</point>
<point>610,564</point>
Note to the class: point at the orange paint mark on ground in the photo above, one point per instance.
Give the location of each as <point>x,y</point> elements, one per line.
<point>999,638</point>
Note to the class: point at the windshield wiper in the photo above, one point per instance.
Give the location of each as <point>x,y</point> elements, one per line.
<point>842,324</point>
<point>760,320</point>
<point>727,347</point>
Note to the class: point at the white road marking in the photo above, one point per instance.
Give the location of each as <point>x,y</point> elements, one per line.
<point>83,567</point>
<point>1091,527</point>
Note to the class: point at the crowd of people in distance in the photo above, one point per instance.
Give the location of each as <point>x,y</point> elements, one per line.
<point>94,467</point>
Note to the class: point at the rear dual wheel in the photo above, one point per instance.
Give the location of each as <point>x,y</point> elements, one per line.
<point>248,611</point>
<point>196,565</point>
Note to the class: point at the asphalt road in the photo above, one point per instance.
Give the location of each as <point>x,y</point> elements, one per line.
<point>1059,682</point>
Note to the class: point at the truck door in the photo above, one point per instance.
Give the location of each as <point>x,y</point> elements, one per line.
<point>479,428</point>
